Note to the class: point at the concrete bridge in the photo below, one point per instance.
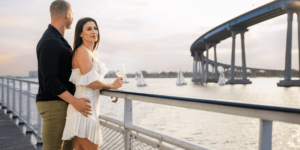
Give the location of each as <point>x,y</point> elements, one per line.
<point>213,75</point>
<point>239,25</point>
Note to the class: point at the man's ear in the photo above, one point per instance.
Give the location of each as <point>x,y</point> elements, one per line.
<point>67,15</point>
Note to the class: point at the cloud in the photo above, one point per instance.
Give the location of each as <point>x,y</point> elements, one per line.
<point>5,58</point>
<point>144,34</point>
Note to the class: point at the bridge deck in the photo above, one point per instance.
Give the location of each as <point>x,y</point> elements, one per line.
<point>11,137</point>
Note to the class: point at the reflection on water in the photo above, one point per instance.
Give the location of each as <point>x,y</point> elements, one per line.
<point>212,130</point>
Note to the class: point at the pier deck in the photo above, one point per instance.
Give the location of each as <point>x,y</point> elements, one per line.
<point>11,137</point>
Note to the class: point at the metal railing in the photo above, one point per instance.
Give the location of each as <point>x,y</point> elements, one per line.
<point>116,134</point>
<point>267,114</point>
<point>17,100</point>
<point>126,135</point>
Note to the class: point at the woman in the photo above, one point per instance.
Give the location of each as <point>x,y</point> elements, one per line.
<point>87,75</point>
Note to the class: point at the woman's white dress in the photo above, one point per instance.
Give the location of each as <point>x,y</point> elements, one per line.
<point>77,124</point>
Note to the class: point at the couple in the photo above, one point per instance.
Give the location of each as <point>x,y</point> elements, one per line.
<point>70,115</point>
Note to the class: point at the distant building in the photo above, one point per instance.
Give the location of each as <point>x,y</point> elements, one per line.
<point>33,74</point>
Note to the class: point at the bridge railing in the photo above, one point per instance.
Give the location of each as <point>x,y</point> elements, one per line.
<point>126,135</point>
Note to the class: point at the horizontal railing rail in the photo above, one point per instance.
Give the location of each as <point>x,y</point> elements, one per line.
<point>199,104</point>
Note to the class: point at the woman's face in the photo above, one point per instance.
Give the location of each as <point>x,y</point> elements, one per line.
<point>89,32</point>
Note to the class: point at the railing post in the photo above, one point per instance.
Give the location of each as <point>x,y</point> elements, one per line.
<point>28,109</point>
<point>21,119</point>
<point>20,100</point>
<point>127,120</point>
<point>9,111</point>
<point>39,131</point>
<point>2,92</point>
<point>15,116</point>
<point>7,93</point>
<point>13,96</point>
<point>265,135</point>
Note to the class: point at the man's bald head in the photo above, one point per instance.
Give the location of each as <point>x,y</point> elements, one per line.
<point>59,8</point>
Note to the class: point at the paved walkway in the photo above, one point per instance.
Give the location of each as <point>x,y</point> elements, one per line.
<point>11,137</point>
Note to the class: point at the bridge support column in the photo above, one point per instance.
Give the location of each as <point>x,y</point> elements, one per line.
<point>207,77</point>
<point>202,67</point>
<point>216,63</point>
<point>235,31</point>
<point>199,67</point>
<point>298,16</point>
<point>245,80</point>
<point>206,67</point>
<point>195,71</point>
<point>288,55</point>
<point>253,73</point>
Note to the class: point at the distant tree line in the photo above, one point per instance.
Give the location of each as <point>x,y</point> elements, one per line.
<point>146,74</point>
<point>171,74</point>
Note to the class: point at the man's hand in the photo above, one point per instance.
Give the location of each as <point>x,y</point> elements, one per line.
<point>83,107</point>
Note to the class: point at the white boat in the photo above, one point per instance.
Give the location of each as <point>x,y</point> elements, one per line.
<point>136,76</point>
<point>125,80</point>
<point>222,79</point>
<point>180,79</point>
<point>140,80</point>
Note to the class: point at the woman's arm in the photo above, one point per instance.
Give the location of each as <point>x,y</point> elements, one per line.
<point>84,61</point>
<point>102,85</point>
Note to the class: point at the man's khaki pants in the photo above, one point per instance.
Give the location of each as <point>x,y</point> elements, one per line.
<point>54,118</point>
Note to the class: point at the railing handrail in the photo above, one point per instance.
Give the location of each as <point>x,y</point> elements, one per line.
<point>264,112</point>
<point>22,80</point>
<point>214,101</point>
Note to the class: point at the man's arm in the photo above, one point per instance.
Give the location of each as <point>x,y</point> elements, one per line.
<point>49,61</point>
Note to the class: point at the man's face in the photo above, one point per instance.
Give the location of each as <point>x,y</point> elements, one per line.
<point>70,20</point>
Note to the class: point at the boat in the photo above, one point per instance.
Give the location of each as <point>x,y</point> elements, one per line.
<point>180,79</point>
<point>140,80</point>
<point>125,80</point>
<point>222,79</point>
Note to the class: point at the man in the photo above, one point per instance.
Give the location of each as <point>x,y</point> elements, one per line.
<point>54,69</point>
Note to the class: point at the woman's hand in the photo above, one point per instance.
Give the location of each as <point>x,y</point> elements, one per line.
<point>117,83</point>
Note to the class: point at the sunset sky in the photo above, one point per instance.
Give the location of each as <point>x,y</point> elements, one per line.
<point>152,35</point>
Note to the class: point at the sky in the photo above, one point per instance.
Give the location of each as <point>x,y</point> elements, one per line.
<point>151,35</point>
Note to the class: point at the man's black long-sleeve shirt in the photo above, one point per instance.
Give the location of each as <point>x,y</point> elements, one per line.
<point>54,65</point>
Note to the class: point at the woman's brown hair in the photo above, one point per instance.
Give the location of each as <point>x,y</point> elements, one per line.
<point>78,30</point>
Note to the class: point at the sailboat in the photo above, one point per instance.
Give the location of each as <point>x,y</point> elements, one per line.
<point>125,80</point>
<point>140,80</point>
<point>222,80</point>
<point>180,79</point>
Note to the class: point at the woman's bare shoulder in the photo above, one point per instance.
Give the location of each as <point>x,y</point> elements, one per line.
<point>82,53</point>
